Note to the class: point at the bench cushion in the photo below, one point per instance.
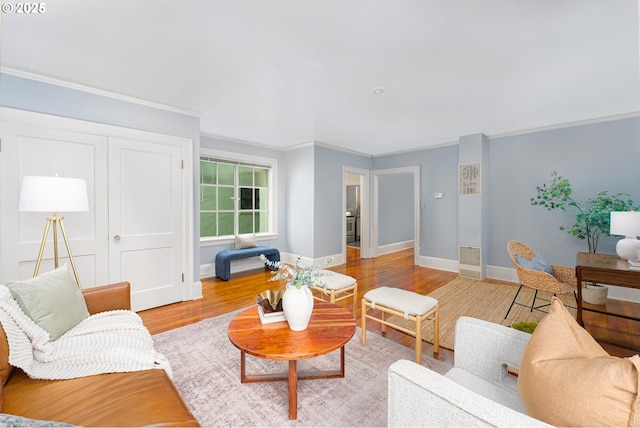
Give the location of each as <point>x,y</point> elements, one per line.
<point>405,301</point>
<point>223,258</point>
<point>334,280</point>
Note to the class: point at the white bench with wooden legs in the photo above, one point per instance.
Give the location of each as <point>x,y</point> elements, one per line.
<point>338,287</point>
<point>406,304</point>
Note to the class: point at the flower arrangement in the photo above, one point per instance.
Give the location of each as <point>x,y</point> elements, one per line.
<point>297,275</point>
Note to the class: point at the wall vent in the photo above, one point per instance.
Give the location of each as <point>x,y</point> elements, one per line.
<point>469,178</point>
<point>470,262</point>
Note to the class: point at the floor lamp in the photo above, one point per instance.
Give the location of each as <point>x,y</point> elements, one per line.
<point>54,194</point>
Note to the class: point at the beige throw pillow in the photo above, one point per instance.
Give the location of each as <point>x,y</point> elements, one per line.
<point>245,241</point>
<point>52,300</point>
<point>567,379</point>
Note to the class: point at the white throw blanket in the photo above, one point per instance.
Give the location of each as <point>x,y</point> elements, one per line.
<point>108,342</point>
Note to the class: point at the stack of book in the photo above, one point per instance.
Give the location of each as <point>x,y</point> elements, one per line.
<point>634,264</point>
<point>270,306</point>
<point>269,317</point>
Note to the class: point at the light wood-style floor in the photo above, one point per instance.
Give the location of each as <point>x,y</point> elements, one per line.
<point>396,269</point>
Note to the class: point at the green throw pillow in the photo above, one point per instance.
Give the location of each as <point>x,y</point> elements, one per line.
<point>52,300</point>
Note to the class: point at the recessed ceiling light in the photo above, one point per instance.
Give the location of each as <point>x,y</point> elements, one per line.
<point>377,91</point>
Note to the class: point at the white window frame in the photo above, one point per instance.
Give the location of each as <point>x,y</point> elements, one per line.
<point>234,157</point>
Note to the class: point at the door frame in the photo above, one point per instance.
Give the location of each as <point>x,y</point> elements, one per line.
<point>415,171</point>
<point>365,211</point>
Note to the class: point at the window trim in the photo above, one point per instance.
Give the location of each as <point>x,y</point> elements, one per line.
<point>241,158</point>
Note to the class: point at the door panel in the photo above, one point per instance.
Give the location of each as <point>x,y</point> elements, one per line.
<point>146,218</point>
<point>32,150</point>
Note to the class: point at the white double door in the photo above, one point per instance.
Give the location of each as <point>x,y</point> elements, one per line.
<point>136,226</point>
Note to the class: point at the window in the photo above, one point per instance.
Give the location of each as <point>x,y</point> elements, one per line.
<point>236,196</point>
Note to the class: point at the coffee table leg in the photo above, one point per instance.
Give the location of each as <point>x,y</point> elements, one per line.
<point>243,359</point>
<point>293,389</point>
<point>292,377</point>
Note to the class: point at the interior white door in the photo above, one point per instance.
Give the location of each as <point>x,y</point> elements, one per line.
<point>35,150</point>
<point>146,221</point>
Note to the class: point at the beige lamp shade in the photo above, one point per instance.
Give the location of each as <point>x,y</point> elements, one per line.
<point>627,224</point>
<point>53,194</point>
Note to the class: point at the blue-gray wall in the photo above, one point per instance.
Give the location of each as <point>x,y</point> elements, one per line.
<point>594,157</point>
<point>438,217</point>
<point>328,191</point>
<point>395,208</point>
<point>300,205</point>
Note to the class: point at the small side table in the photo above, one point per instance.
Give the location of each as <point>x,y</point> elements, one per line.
<point>604,269</point>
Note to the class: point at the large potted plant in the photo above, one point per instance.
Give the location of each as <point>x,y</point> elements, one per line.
<point>592,218</point>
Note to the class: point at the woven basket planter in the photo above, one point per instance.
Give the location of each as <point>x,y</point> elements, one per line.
<point>595,294</point>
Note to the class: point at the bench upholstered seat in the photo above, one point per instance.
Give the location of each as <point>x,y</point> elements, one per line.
<point>223,258</point>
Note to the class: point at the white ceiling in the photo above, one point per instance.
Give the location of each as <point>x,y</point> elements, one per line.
<point>286,72</point>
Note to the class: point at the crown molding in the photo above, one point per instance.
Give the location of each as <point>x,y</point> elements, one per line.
<point>95,91</point>
<point>567,125</point>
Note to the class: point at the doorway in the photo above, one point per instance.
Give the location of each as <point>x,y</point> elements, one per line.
<point>410,207</point>
<point>352,214</point>
<point>355,211</point>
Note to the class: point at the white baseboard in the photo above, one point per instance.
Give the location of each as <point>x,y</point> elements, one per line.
<point>493,272</point>
<point>392,248</point>
<point>502,273</point>
<point>328,261</point>
<point>208,270</point>
<point>196,290</point>
<point>440,264</point>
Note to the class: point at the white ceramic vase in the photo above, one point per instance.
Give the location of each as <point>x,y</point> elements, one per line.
<point>297,304</point>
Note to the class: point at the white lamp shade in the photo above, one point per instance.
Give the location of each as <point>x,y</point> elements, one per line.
<point>625,223</point>
<point>53,194</point>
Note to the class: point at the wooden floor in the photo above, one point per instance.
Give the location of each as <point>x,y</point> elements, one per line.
<point>397,270</point>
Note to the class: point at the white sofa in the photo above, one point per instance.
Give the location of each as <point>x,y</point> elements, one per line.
<point>477,391</point>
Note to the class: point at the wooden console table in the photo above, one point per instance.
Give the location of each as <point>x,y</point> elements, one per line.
<point>604,269</point>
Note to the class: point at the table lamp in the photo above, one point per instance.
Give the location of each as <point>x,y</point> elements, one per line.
<point>627,224</point>
<point>54,194</point>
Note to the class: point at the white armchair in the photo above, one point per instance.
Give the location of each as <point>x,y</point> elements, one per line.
<point>477,391</point>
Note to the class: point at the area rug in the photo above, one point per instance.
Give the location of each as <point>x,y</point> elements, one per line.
<point>206,371</point>
<point>483,300</point>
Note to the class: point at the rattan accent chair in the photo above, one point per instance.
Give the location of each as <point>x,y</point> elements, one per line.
<point>563,280</point>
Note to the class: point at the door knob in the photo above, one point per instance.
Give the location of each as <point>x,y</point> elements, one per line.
<point>116,238</point>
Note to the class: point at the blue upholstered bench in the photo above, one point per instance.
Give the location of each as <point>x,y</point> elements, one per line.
<point>223,258</point>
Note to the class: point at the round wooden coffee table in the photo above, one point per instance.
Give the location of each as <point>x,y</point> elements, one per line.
<point>330,328</point>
